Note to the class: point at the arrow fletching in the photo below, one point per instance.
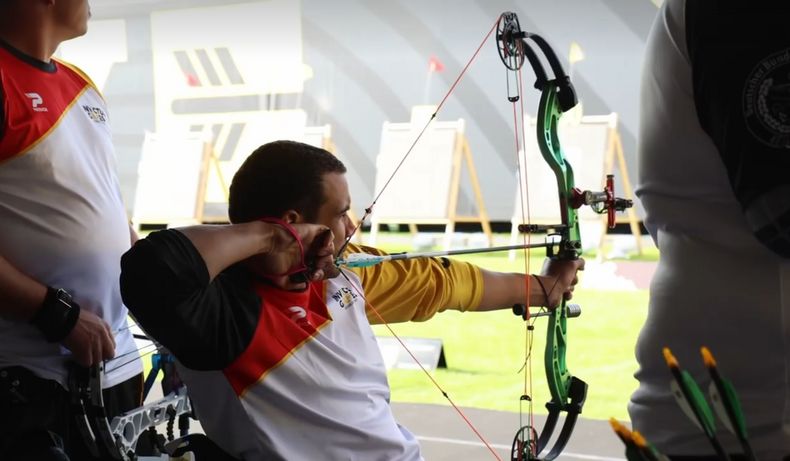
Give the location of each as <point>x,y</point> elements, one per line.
<point>726,402</point>
<point>650,451</point>
<point>632,451</point>
<point>360,260</point>
<point>692,401</point>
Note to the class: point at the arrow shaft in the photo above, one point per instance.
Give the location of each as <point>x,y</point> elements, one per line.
<point>435,254</point>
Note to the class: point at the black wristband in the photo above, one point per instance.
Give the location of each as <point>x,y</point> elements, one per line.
<point>57,315</point>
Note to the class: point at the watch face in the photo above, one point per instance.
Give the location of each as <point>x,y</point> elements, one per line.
<point>64,297</point>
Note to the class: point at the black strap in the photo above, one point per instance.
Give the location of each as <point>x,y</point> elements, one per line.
<point>57,316</point>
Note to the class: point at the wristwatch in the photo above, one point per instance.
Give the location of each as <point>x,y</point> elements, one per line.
<point>57,315</point>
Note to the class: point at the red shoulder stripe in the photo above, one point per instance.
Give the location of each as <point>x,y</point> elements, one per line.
<point>35,102</point>
<point>287,322</point>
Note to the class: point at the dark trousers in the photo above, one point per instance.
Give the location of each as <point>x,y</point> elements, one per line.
<point>36,421</point>
<point>714,458</point>
<point>705,458</point>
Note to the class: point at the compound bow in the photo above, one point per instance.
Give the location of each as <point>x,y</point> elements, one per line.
<point>568,392</point>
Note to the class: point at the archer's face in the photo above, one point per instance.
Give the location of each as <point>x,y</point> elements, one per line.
<point>333,212</point>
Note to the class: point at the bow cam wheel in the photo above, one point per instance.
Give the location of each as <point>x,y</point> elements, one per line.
<point>509,41</point>
<point>525,444</point>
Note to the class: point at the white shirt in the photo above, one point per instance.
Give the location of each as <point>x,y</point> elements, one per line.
<point>715,284</point>
<point>325,398</point>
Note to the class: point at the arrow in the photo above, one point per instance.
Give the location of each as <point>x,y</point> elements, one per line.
<point>726,403</point>
<point>367,260</point>
<point>692,401</point>
<point>647,448</point>
<point>632,451</point>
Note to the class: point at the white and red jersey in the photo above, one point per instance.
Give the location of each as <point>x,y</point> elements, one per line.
<point>312,372</point>
<point>284,375</point>
<point>62,220</point>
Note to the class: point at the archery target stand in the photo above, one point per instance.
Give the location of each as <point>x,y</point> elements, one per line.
<point>591,144</point>
<point>614,151</point>
<point>318,136</point>
<point>162,197</point>
<point>427,186</point>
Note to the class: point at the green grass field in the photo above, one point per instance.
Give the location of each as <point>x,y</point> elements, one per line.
<point>485,351</point>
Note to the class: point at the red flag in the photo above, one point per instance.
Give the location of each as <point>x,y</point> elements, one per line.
<point>192,79</point>
<point>434,65</point>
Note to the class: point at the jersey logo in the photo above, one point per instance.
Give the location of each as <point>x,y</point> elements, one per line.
<point>344,297</point>
<point>766,100</point>
<point>36,100</point>
<point>298,315</point>
<point>95,113</point>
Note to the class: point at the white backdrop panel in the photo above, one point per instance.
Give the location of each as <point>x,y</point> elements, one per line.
<point>169,178</point>
<point>421,187</point>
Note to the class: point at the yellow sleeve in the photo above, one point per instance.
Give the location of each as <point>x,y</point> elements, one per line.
<point>416,289</point>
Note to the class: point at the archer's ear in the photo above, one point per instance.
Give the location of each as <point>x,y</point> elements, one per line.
<point>292,217</point>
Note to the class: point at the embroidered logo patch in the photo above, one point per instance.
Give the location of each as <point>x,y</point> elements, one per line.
<point>95,113</point>
<point>766,100</point>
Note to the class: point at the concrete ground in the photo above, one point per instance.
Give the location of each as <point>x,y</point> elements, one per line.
<point>443,435</point>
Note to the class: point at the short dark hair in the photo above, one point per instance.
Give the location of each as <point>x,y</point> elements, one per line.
<point>281,176</point>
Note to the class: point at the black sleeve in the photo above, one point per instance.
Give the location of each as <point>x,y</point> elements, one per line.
<point>165,285</point>
<point>740,58</point>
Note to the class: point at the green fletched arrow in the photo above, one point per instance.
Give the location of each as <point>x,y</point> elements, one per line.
<point>650,451</point>
<point>692,401</point>
<point>632,451</point>
<point>726,403</point>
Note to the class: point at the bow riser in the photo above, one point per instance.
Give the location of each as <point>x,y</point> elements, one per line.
<point>549,116</point>
<point>570,239</point>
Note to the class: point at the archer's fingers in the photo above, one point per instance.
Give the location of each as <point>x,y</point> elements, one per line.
<point>108,331</point>
<point>107,346</point>
<point>94,354</point>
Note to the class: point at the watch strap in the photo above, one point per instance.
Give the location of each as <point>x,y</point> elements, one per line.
<point>57,315</point>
